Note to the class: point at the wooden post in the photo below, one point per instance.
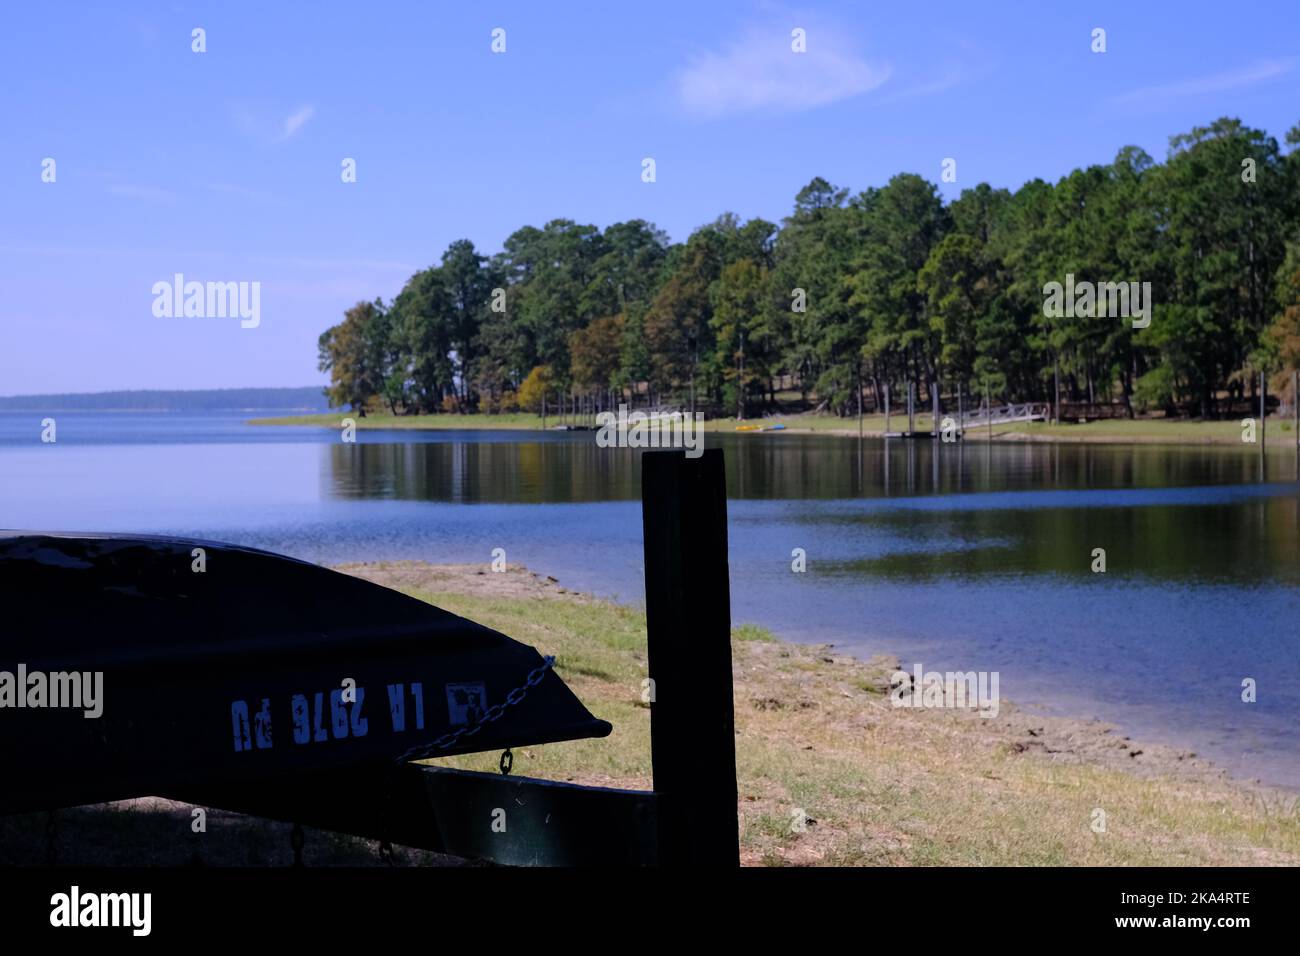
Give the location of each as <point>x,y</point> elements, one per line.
<point>911,406</point>
<point>1295,405</point>
<point>688,625</point>
<point>961,413</point>
<point>886,409</point>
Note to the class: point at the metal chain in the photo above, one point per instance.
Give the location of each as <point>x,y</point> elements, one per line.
<point>495,712</point>
<point>448,740</point>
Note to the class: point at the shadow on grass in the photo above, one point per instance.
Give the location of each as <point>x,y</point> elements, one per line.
<point>152,831</point>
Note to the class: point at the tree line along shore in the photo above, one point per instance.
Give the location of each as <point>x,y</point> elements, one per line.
<point>1122,290</point>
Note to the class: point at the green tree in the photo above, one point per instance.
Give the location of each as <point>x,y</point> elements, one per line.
<point>905,221</point>
<point>420,323</point>
<point>677,330</point>
<point>1223,237</point>
<point>536,385</point>
<point>468,285</point>
<point>958,286</point>
<point>594,354</point>
<point>744,351</point>
<point>355,353</point>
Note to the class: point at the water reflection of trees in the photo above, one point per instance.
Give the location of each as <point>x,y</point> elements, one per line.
<point>784,467</point>
<point>1252,540</point>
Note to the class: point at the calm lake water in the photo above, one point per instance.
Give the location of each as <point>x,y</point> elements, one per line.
<point>961,558</point>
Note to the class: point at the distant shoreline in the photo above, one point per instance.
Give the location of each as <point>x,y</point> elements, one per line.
<point>1151,431</point>
<point>306,398</point>
<point>151,411</point>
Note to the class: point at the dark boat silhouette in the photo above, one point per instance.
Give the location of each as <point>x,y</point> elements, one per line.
<point>254,667</point>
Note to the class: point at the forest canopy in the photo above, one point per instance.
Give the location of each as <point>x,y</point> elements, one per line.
<point>853,292</point>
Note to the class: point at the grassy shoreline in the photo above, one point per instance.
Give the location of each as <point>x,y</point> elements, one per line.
<point>1278,429</point>
<point>817,738</point>
<point>828,772</point>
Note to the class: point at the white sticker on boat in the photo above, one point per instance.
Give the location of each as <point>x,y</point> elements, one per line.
<point>466,703</point>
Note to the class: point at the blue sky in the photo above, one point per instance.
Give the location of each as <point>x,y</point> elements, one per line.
<point>225,165</point>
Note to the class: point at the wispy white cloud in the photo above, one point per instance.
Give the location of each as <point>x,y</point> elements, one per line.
<point>1258,72</point>
<point>296,121</point>
<point>963,62</point>
<point>760,71</point>
<point>143,193</point>
<point>259,122</point>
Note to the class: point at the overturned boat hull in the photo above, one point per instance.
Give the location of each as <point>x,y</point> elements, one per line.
<point>210,663</point>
